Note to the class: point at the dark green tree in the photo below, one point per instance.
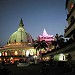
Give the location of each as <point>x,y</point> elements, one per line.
<point>59,42</point>
<point>40,45</point>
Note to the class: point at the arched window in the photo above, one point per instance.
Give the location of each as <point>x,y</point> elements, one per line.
<point>15,40</point>
<point>21,40</point>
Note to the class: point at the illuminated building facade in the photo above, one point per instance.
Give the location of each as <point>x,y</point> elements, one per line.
<point>18,46</point>
<point>45,36</point>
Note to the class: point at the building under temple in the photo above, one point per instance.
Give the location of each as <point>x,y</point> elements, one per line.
<point>48,39</point>
<point>18,46</point>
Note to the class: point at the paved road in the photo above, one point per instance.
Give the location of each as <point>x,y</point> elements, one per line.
<point>14,70</point>
<point>38,69</point>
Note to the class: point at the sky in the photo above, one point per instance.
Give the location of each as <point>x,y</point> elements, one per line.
<point>36,15</point>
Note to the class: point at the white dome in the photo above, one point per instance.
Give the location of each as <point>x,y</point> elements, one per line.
<point>20,35</point>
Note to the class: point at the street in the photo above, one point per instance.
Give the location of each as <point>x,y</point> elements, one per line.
<point>39,69</point>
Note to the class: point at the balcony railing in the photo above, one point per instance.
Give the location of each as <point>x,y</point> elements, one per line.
<point>70,26</point>
<point>71,12</point>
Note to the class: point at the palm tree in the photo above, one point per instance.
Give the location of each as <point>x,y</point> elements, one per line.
<point>44,44</point>
<point>59,42</point>
<point>40,45</point>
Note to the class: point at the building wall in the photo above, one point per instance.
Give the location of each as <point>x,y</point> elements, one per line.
<point>70,19</point>
<point>72,53</point>
<point>69,5</point>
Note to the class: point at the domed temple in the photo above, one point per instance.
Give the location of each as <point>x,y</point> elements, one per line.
<point>20,35</point>
<point>19,45</point>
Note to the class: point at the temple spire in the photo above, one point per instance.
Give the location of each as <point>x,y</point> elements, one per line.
<point>45,33</point>
<point>21,23</point>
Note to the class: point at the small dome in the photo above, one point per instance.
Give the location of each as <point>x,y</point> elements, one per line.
<point>20,35</point>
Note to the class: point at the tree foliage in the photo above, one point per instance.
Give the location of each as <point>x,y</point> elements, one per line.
<point>40,45</point>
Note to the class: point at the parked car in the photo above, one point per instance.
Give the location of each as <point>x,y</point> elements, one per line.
<point>22,64</point>
<point>31,62</point>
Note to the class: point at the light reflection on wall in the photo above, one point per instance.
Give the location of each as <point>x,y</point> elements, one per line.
<point>23,52</point>
<point>5,53</point>
<point>2,53</point>
<point>16,53</point>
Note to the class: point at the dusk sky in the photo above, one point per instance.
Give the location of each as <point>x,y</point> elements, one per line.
<point>36,15</point>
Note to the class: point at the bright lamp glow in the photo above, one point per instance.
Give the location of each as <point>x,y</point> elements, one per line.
<point>35,56</point>
<point>5,53</point>
<point>61,57</point>
<point>27,53</point>
<point>72,5</point>
<point>0,54</point>
<point>11,58</point>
